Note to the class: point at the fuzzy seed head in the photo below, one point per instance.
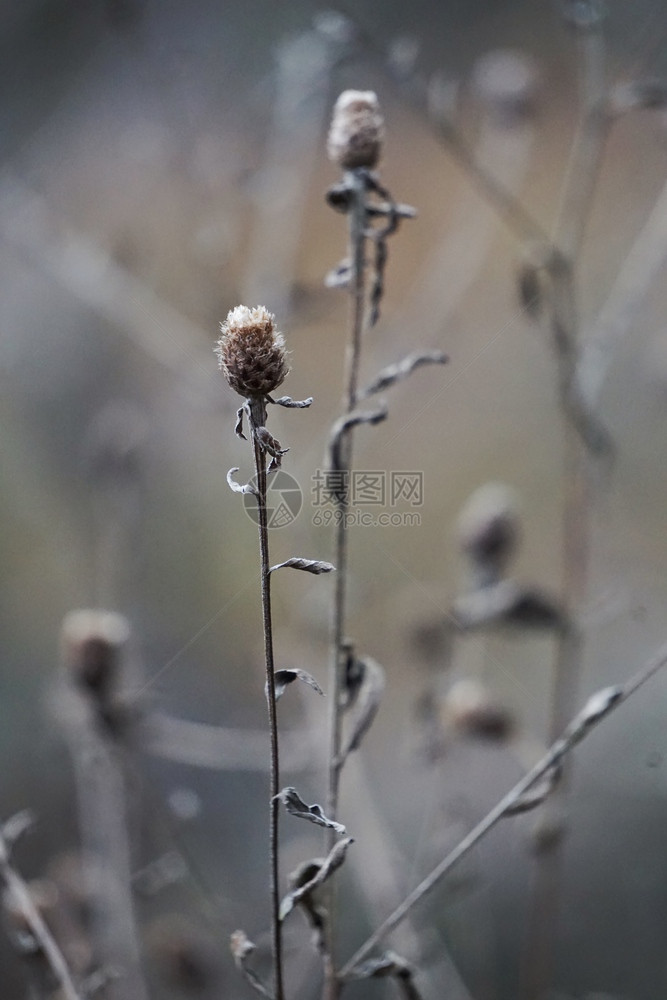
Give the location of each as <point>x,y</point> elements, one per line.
<point>357,130</point>
<point>251,353</point>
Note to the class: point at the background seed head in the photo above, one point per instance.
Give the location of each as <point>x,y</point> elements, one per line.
<point>251,353</point>
<point>357,130</point>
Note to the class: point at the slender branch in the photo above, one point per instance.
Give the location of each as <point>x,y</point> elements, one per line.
<point>356,238</point>
<point>580,435</point>
<point>599,707</point>
<point>19,891</point>
<point>276,930</point>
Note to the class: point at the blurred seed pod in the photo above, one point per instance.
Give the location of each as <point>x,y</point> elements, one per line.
<point>488,529</point>
<point>357,130</point>
<point>506,81</point>
<point>92,644</point>
<point>470,709</point>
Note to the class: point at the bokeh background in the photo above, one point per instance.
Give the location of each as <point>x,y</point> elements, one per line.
<point>164,161</point>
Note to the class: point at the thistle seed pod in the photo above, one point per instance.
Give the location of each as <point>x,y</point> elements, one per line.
<point>488,529</point>
<point>357,130</point>
<point>251,353</point>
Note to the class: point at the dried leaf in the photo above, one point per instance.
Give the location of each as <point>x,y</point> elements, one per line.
<point>536,795</point>
<point>321,872</point>
<point>269,443</point>
<point>366,703</point>
<point>242,947</point>
<point>238,426</point>
<point>297,807</point>
<point>294,404</point>
<point>283,678</point>
<point>339,276</point>
<point>236,487</point>
<point>595,709</point>
<point>390,964</point>
<point>395,373</point>
<point>315,566</point>
<point>343,426</point>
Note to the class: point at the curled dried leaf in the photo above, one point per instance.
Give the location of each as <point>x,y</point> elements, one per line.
<point>283,678</point>
<point>242,947</point>
<point>319,873</point>
<point>595,709</point>
<point>366,702</point>
<point>536,795</point>
<point>269,443</point>
<point>236,487</point>
<point>297,807</point>
<point>343,426</point>
<point>238,426</point>
<point>293,404</point>
<point>315,566</point>
<point>395,373</point>
<point>389,964</point>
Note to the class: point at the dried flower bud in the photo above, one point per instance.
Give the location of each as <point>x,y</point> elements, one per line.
<point>251,353</point>
<point>488,529</point>
<point>92,641</point>
<point>357,130</point>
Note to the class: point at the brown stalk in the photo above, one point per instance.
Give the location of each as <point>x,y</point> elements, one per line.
<point>356,240</point>
<point>259,419</point>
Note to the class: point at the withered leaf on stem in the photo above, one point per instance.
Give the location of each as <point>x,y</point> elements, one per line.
<point>344,425</point>
<point>297,807</point>
<point>242,947</point>
<point>390,964</point>
<point>396,372</point>
<point>238,426</point>
<point>315,566</point>
<point>236,487</point>
<point>536,795</point>
<point>322,870</point>
<point>595,709</point>
<point>283,678</point>
<point>366,703</point>
<point>293,404</point>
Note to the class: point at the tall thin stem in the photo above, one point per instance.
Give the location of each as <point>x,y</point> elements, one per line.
<point>276,930</point>
<point>356,239</point>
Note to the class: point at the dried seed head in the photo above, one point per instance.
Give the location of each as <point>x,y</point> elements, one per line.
<point>357,130</point>
<point>92,641</point>
<point>488,529</point>
<point>251,353</point>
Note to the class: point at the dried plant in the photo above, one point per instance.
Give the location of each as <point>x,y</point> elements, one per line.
<point>252,358</point>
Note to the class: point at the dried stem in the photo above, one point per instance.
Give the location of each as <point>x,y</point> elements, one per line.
<point>260,474</point>
<point>356,238</point>
<point>580,434</point>
<point>597,708</point>
<point>20,894</point>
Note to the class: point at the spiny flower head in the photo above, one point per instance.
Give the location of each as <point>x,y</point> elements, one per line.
<point>357,130</point>
<point>251,352</point>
